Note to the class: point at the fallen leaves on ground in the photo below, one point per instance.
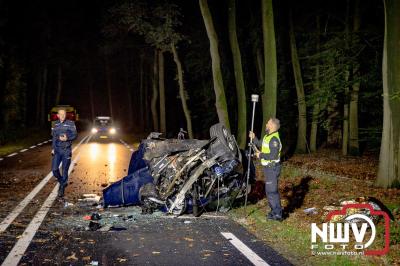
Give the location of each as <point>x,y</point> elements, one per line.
<point>72,256</point>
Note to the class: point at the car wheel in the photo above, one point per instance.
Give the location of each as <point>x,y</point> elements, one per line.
<point>225,142</point>
<point>179,209</point>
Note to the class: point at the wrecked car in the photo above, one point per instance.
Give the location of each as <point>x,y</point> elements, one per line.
<point>182,175</point>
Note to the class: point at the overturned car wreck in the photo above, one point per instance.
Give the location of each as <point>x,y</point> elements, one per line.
<point>182,176</point>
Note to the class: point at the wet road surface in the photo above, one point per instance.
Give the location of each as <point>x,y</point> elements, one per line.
<point>36,228</point>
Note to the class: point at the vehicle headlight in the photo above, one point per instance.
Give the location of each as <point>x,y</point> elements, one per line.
<point>94,130</point>
<point>113,131</point>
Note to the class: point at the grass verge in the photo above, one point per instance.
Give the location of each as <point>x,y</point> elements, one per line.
<point>292,237</point>
<point>24,141</point>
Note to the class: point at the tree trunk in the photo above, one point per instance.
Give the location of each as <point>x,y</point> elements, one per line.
<point>269,96</point>
<point>43,97</point>
<point>90,85</point>
<point>161,85</point>
<point>345,138</point>
<point>129,87</point>
<point>59,84</point>
<point>353,116</point>
<point>182,92</point>
<point>237,64</point>
<point>38,95</point>
<point>108,81</point>
<point>316,107</point>
<point>260,67</point>
<point>146,98</point>
<point>220,99</point>
<point>154,96</point>
<point>301,146</point>
<point>141,100</point>
<point>389,160</point>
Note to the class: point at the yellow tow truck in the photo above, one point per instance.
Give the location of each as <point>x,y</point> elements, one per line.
<point>71,113</point>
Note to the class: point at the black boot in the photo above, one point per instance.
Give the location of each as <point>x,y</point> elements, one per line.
<point>270,215</point>
<point>274,217</point>
<point>61,191</point>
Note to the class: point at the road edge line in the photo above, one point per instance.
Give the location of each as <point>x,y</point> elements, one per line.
<point>23,243</point>
<point>245,250</point>
<point>21,206</point>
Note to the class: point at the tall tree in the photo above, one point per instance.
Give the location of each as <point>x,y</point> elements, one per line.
<point>141,91</point>
<point>129,87</point>
<point>41,93</point>
<point>158,25</point>
<point>269,97</point>
<point>59,83</point>
<point>389,160</point>
<point>161,87</point>
<point>237,64</point>
<point>182,91</point>
<point>301,146</point>
<point>316,87</point>
<point>345,138</point>
<point>154,95</point>
<point>220,99</point>
<point>108,84</point>
<point>90,87</point>
<point>14,100</point>
<point>353,110</point>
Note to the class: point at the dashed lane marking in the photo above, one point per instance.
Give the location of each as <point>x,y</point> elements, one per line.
<point>245,250</point>
<point>23,150</point>
<point>12,154</point>
<point>21,206</point>
<point>126,145</point>
<point>20,247</point>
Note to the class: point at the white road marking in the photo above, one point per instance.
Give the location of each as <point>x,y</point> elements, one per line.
<point>21,206</point>
<point>20,247</point>
<point>1,159</point>
<point>245,250</point>
<point>126,145</point>
<point>24,150</point>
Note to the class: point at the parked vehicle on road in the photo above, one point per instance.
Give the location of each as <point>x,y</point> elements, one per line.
<point>103,128</point>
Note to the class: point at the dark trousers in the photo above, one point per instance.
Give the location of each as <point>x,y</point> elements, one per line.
<point>61,156</point>
<point>272,174</point>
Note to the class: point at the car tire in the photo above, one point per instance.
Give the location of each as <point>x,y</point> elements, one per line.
<point>225,142</point>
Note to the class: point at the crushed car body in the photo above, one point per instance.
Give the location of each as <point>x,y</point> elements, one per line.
<point>182,175</point>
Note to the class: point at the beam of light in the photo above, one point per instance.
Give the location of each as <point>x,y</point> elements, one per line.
<point>94,151</point>
<point>112,158</point>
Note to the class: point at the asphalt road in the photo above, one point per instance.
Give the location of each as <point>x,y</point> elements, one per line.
<point>37,228</point>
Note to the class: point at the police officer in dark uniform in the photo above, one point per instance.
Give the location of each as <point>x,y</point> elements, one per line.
<point>63,132</point>
<point>271,147</point>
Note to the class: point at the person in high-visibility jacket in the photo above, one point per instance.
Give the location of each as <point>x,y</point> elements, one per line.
<point>270,154</point>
